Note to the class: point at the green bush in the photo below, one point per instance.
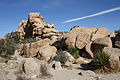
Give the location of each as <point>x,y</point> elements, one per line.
<point>12,42</point>
<point>7,47</point>
<point>101,62</point>
<point>74,52</point>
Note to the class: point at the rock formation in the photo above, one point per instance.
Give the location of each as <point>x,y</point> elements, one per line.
<point>80,36</point>
<point>36,28</point>
<point>52,47</point>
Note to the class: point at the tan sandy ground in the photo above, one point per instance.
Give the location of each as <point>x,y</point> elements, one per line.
<point>68,74</point>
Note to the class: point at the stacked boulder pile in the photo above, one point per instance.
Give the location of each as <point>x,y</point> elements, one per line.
<point>82,37</point>
<point>92,40</point>
<point>45,34</point>
<point>52,47</point>
<point>35,27</point>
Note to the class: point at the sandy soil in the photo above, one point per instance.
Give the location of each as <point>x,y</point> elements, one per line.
<point>68,74</point>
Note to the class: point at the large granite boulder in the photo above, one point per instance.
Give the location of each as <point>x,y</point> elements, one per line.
<point>100,43</point>
<point>49,31</point>
<point>100,33</point>
<point>80,36</point>
<point>32,67</point>
<point>77,36</point>
<point>82,40</point>
<point>47,51</point>
<point>31,49</point>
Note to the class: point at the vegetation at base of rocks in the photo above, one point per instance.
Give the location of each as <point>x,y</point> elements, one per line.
<point>74,52</point>
<point>29,40</point>
<point>9,44</point>
<point>12,42</point>
<point>7,47</point>
<point>101,63</point>
<point>44,71</point>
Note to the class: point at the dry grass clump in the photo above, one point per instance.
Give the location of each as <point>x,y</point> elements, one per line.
<point>45,72</point>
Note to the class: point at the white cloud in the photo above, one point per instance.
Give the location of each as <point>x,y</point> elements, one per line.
<point>96,14</point>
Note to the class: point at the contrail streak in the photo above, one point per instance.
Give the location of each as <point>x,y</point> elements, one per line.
<point>96,14</point>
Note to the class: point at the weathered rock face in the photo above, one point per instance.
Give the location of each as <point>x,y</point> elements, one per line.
<point>114,51</point>
<point>88,49</point>
<point>49,31</point>
<point>75,36</point>
<point>32,67</point>
<point>21,28</point>
<point>47,51</point>
<point>31,49</point>
<point>36,28</point>
<point>82,60</point>
<point>80,36</point>
<point>40,49</point>
<point>114,56</point>
<point>100,43</point>
<point>100,33</point>
<point>74,27</point>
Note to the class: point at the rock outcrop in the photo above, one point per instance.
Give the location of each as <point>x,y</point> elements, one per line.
<point>36,28</point>
<point>39,49</point>
<point>80,36</point>
<point>100,43</point>
<point>114,56</point>
<point>46,52</point>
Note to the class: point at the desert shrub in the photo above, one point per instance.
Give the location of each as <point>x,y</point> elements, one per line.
<point>101,62</point>
<point>45,71</point>
<point>74,52</point>
<point>7,47</point>
<point>60,57</point>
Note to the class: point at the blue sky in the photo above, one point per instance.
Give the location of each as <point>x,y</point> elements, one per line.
<point>57,11</point>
